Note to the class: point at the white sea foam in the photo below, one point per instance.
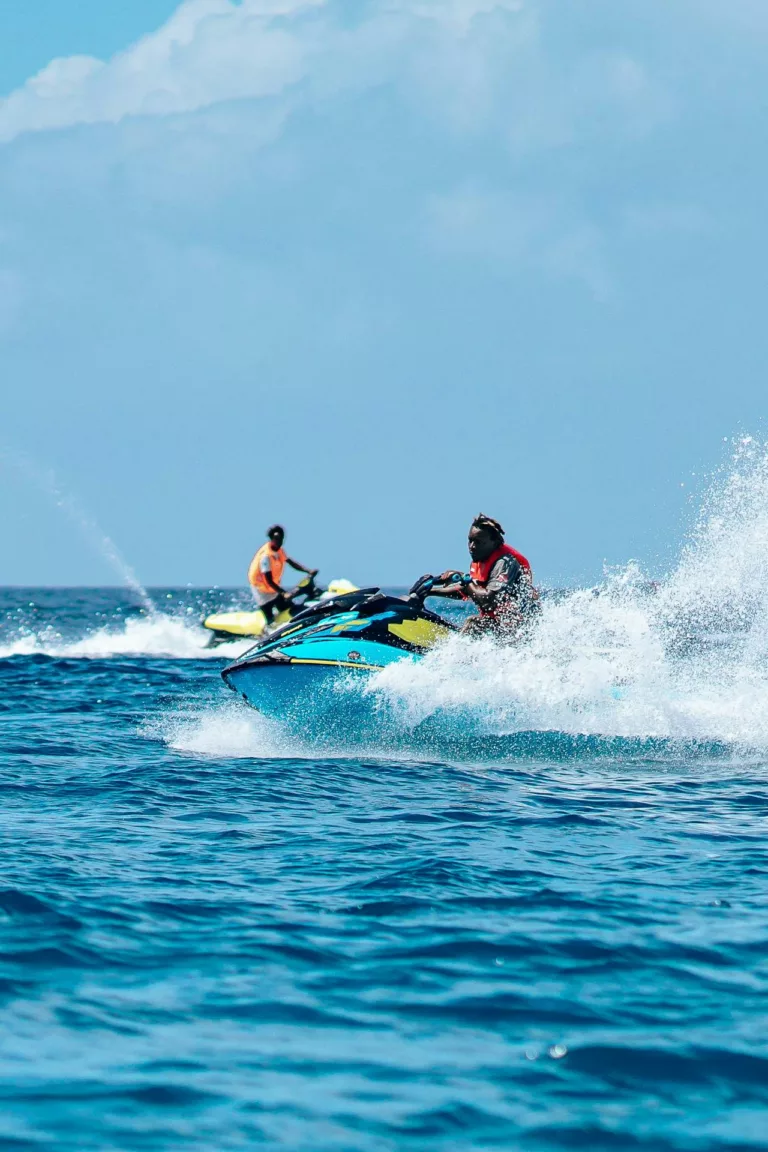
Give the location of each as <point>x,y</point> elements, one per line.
<point>227,730</point>
<point>156,635</point>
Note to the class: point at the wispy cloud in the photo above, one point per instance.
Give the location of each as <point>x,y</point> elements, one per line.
<point>468,62</point>
<point>230,100</point>
<point>656,218</point>
<point>515,233</point>
<point>208,52</point>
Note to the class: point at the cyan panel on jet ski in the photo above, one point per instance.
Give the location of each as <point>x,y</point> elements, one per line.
<point>340,650</point>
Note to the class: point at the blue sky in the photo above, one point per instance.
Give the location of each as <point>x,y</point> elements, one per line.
<point>368,269</point>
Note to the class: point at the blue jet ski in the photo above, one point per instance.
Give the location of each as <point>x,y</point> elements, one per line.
<point>317,666</point>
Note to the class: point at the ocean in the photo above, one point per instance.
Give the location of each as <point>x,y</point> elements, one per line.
<point>545,929</point>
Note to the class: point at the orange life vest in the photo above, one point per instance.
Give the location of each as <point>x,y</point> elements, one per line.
<point>276,566</point>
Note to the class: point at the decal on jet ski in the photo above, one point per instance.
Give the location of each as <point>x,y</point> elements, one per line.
<point>421,633</point>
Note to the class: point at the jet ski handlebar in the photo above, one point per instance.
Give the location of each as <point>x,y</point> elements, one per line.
<point>425,585</point>
<point>306,588</point>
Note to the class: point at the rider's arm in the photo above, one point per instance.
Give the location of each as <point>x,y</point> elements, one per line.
<point>300,567</point>
<point>481,594</point>
<point>449,587</point>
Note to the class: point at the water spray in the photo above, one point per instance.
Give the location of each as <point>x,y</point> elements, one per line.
<point>48,483</point>
<point>683,658</point>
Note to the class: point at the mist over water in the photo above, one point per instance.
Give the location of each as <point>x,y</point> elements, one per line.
<point>49,484</point>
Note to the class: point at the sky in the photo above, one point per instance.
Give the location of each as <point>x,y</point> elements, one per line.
<point>368,269</point>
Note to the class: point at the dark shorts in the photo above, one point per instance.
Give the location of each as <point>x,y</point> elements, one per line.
<point>274,607</point>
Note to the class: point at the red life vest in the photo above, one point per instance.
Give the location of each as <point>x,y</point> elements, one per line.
<point>480,570</point>
<point>508,612</point>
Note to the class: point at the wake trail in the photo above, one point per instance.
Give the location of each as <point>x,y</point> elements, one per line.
<point>158,635</point>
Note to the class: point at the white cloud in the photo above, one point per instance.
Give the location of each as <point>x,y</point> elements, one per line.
<point>499,75</point>
<point>467,63</point>
<point>578,253</point>
<point>743,16</point>
<point>660,217</point>
<point>460,13</point>
<point>512,232</point>
<point>477,221</point>
<point>209,51</point>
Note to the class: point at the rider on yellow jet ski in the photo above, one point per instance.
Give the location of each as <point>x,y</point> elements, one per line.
<point>266,571</point>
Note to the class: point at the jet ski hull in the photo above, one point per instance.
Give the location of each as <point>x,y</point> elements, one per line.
<point>318,667</point>
<point>324,678</point>
<point>301,694</point>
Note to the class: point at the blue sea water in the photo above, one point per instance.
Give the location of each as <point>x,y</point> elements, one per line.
<point>218,934</point>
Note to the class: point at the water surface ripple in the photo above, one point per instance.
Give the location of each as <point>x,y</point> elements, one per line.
<point>230,941</point>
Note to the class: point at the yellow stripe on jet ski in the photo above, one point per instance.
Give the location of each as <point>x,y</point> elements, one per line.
<point>339,663</point>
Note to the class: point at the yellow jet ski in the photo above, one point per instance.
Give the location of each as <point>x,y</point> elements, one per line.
<point>227,626</point>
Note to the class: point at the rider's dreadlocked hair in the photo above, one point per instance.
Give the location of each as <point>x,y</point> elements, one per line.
<point>491,525</point>
<point>275,530</point>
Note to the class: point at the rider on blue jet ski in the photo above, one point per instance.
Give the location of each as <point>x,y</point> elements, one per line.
<point>500,583</point>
